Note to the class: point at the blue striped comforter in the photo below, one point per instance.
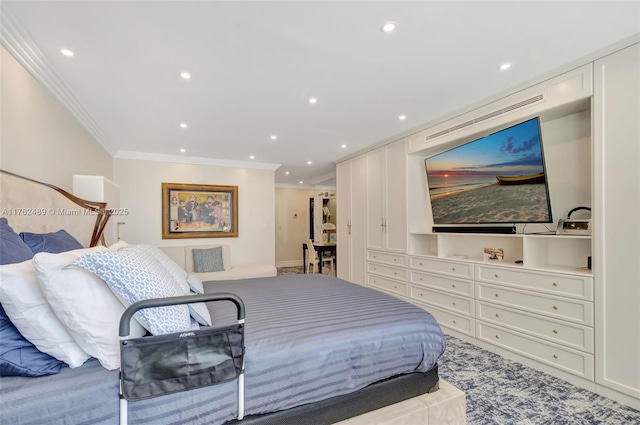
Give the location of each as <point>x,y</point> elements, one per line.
<point>308,338</point>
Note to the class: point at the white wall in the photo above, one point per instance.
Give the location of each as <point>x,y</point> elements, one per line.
<point>141,192</point>
<point>39,138</point>
<point>292,224</point>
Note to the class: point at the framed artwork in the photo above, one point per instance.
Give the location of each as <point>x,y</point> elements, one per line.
<point>199,211</point>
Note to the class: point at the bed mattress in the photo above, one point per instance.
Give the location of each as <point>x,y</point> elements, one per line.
<point>307,337</point>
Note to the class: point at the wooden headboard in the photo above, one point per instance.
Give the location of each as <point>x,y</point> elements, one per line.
<point>33,206</point>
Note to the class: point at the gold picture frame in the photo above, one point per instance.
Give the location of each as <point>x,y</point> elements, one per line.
<point>199,211</point>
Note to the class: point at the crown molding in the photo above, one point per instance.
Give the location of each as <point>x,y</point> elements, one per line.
<point>14,38</point>
<point>159,157</point>
<point>323,178</point>
<point>293,186</point>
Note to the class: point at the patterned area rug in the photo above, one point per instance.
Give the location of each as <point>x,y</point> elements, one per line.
<point>501,391</point>
<point>289,270</point>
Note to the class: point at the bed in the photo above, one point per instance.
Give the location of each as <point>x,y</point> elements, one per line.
<point>317,348</point>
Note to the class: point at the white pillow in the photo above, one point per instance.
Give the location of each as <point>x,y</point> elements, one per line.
<point>85,305</point>
<point>29,311</point>
<point>135,275</point>
<point>195,284</point>
<point>198,311</point>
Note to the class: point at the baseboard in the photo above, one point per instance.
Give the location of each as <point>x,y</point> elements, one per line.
<point>289,263</point>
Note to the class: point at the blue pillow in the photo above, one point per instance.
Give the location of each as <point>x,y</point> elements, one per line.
<point>53,243</point>
<point>19,357</point>
<point>12,248</point>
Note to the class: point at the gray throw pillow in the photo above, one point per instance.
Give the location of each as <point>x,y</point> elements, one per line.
<point>208,260</point>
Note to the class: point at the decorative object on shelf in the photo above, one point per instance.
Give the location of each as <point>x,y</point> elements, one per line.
<point>199,211</point>
<point>493,254</point>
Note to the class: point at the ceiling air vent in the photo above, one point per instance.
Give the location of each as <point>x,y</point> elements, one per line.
<point>487,116</point>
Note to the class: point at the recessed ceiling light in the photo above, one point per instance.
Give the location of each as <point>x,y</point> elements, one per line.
<point>313,100</point>
<point>252,157</point>
<point>343,146</point>
<point>185,75</point>
<point>505,66</point>
<point>388,27</point>
<point>66,52</point>
<point>183,150</point>
<point>274,137</point>
<point>402,117</point>
<point>309,162</point>
<point>286,172</point>
<point>183,125</point>
<point>301,182</point>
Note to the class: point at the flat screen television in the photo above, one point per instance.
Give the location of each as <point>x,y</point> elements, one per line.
<point>499,178</point>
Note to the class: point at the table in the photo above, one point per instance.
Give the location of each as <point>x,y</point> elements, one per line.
<point>321,248</point>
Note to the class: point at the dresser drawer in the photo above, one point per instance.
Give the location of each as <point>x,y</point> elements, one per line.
<point>567,334</point>
<point>555,284</point>
<point>569,360</point>
<point>457,286</point>
<point>450,302</point>
<point>447,319</point>
<point>451,268</point>
<point>561,308</point>
<point>399,288</point>
<point>387,271</point>
<point>385,257</point>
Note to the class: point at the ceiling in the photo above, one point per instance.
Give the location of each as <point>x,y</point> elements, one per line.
<point>254,66</point>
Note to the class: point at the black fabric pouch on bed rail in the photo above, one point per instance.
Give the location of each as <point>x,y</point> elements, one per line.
<point>164,364</point>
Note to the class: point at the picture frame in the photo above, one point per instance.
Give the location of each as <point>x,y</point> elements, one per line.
<point>199,211</point>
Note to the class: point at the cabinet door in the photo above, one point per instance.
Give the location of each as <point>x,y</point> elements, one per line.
<point>343,209</point>
<point>358,219</point>
<point>616,210</point>
<point>395,202</point>
<point>375,197</point>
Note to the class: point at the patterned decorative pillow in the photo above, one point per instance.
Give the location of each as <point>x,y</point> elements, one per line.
<point>208,260</point>
<point>135,275</point>
<point>199,311</point>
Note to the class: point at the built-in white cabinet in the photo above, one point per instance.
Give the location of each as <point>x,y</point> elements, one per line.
<point>387,198</point>
<point>616,118</point>
<point>350,188</point>
<point>541,305</point>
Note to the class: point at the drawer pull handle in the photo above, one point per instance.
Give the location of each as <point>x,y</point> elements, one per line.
<point>453,268</point>
<point>374,256</point>
<point>555,307</point>
<point>454,322</point>
<point>497,295</point>
<point>453,286</point>
<point>555,356</point>
<point>395,287</point>
<point>375,268</point>
<point>395,272</point>
<point>395,259</point>
<point>497,315</point>
<point>375,281</point>
<point>497,337</point>
<point>420,263</point>
<point>555,331</point>
<point>555,284</point>
<point>454,303</point>
<point>421,294</point>
<point>421,279</point>
<point>496,275</point>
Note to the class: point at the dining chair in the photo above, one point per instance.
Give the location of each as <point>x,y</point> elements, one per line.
<point>313,259</point>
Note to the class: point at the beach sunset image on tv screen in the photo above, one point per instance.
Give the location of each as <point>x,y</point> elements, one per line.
<point>499,178</point>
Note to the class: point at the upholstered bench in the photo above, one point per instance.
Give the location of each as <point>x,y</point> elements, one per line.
<point>183,255</point>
